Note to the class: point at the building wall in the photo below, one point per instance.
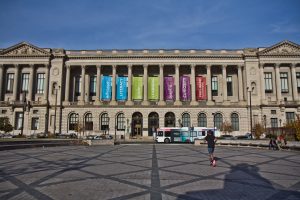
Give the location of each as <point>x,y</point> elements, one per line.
<point>246,66</point>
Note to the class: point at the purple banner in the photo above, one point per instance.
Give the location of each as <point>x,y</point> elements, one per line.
<point>185,88</point>
<point>169,88</point>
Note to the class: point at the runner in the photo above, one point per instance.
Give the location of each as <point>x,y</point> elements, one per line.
<point>211,140</point>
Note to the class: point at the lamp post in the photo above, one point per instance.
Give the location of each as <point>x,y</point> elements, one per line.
<point>213,114</point>
<point>265,122</point>
<point>54,128</point>
<point>179,122</point>
<point>280,123</point>
<point>23,113</point>
<point>116,132</point>
<point>250,106</point>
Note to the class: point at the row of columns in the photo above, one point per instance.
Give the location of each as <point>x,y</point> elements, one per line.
<point>278,83</point>
<point>17,84</point>
<point>161,75</point>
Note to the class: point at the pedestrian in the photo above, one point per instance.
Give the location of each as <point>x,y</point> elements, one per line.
<point>211,141</point>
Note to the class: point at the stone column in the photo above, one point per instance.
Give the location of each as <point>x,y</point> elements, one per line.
<point>87,87</point>
<point>46,84</point>
<point>67,94</point>
<point>208,82</point>
<point>98,82</point>
<point>16,82</point>
<point>145,102</point>
<point>177,101</point>
<point>193,83</point>
<point>82,84</point>
<point>129,102</point>
<point>1,81</point>
<point>161,85</point>
<point>240,79</point>
<point>262,83</point>
<point>31,78</point>
<point>224,83</point>
<point>278,85</point>
<point>294,82</point>
<point>113,96</point>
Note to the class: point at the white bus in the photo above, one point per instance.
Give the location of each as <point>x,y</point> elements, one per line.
<point>184,134</point>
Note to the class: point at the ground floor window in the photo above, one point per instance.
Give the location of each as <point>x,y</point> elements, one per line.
<point>35,123</point>
<point>18,120</point>
<point>73,121</point>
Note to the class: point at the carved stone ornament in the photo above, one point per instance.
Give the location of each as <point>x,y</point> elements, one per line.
<point>284,48</point>
<point>24,49</point>
<point>252,71</point>
<point>55,71</point>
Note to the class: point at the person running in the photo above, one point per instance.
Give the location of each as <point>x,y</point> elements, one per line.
<point>211,140</point>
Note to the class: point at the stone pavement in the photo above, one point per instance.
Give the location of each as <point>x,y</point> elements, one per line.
<point>149,171</point>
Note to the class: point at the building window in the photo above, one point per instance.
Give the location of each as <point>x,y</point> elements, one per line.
<point>40,83</point>
<point>298,81</point>
<point>104,122</point>
<point>35,123</point>
<point>235,122</point>
<point>120,122</point>
<point>273,112</point>
<point>93,80</point>
<point>25,82</point>
<point>77,85</point>
<point>218,120</point>
<point>274,123</point>
<point>18,121</point>
<point>88,122</point>
<point>268,82</point>
<point>229,86</point>
<point>214,85</point>
<point>290,117</point>
<point>202,120</point>
<point>284,82</point>
<point>9,83</point>
<point>73,121</point>
<point>186,120</point>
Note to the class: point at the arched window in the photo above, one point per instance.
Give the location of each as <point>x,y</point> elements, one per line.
<point>104,122</point>
<point>88,122</point>
<point>218,120</point>
<point>169,119</point>
<point>202,121</point>
<point>235,122</point>
<point>186,120</point>
<point>120,122</point>
<point>73,120</point>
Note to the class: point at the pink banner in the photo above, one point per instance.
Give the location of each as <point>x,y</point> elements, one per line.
<point>169,89</point>
<point>201,88</point>
<point>185,88</point>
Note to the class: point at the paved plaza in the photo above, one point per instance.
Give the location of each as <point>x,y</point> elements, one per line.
<point>148,171</point>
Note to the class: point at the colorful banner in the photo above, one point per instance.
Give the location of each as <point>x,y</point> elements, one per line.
<point>185,88</point>
<point>201,88</point>
<point>106,88</point>
<point>169,88</point>
<point>137,88</point>
<point>122,88</point>
<point>153,88</point>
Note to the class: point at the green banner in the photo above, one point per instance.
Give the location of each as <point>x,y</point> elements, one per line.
<point>137,88</point>
<point>153,88</point>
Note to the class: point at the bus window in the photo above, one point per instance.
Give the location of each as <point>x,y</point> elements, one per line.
<point>203,133</point>
<point>184,133</point>
<point>168,133</point>
<point>160,133</point>
<point>193,133</point>
<point>176,134</point>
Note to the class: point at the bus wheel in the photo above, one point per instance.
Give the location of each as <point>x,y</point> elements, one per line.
<point>167,140</point>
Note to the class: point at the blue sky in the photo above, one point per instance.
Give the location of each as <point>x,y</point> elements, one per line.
<point>149,24</point>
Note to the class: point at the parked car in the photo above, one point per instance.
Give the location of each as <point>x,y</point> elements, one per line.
<point>242,137</point>
<point>227,137</point>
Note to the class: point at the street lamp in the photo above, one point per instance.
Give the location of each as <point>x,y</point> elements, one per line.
<point>280,123</point>
<point>265,122</point>
<point>213,114</point>
<point>56,90</point>
<point>250,107</point>
<point>179,122</point>
<point>23,113</point>
<point>116,132</point>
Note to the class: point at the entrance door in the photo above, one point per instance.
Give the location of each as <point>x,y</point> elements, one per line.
<point>137,124</point>
<point>153,123</point>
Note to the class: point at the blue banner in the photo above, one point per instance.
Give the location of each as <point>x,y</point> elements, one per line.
<point>106,88</point>
<point>122,88</point>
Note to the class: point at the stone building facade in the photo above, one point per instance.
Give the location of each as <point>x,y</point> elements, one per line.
<point>52,90</point>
